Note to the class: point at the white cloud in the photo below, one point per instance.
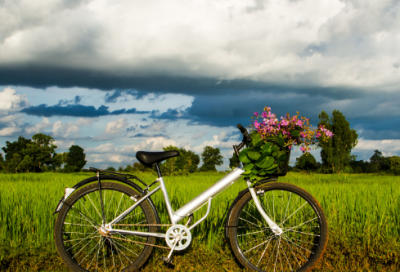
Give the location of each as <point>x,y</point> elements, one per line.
<point>10,101</point>
<point>328,41</point>
<point>69,129</point>
<point>39,127</point>
<point>63,144</point>
<point>156,126</point>
<point>104,148</point>
<point>110,158</point>
<point>116,126</point>
<point>392,146</point>
<point>216,142</point>
<point>150,144</point>
<point>9,131</point>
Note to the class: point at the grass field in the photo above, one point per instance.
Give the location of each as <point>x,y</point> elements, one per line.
<point>363,212</point>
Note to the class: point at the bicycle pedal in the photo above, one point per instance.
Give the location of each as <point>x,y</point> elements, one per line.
<point>166,259</point>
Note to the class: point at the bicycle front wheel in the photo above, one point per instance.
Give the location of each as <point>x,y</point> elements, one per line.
<point>304,225</point>
<point>82,243</point>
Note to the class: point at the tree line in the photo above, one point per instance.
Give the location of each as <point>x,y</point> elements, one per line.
<point>38,155</point>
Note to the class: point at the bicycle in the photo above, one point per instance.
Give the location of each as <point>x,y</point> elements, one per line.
<point>109,223</point>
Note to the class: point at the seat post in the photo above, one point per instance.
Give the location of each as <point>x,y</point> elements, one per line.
<point>158,170</point>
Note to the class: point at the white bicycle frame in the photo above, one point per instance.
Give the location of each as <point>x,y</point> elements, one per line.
<point>191,206</point>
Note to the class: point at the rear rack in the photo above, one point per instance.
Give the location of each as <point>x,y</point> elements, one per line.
<point>127,176</point>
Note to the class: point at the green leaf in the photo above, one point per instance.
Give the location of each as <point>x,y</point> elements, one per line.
<point>243,156</point>
<point>266,146</point>
<point>271,171</point>
<point>280,141</point>
<point>247,172</point>
<point>265,161</point>
<point>257,141</point>
<point>248,166</point>
<point>255,171</point>
<point>254,154</point>
<point>262,173</point>
<point>295,133</point>
<point>271,139</point>
<point>272,167</point>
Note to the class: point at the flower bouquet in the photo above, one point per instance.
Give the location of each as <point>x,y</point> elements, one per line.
<point>271,141</point>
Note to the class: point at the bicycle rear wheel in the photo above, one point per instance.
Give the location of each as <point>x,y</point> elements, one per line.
<point>81,243</point>
<point>304,225</point>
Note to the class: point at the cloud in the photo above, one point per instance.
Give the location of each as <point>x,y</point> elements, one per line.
<point>150,144</point>
<point>9,131</point>
<point>12,102</point>
<point>69,129</point>
<point>155,126</point>
<point>75,101</point>
<point>39,127</point>
<point>110,158</point>
<point>76,111</point>
<point>213,45</point>
<point>219,141</point>
<point>116,126</point>
<point>104,148</point>
<point>63,144</point>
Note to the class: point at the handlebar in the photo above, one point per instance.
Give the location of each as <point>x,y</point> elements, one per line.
<point>246,138</point>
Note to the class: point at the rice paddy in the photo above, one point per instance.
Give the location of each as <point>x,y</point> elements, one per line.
<point>363,211</point>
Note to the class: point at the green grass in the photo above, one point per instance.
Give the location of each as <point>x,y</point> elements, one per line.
<point>363,212</point>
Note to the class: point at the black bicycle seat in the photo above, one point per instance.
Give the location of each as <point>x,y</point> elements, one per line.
<point>150,158</point>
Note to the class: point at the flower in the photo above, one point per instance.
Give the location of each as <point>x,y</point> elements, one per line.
<point>256,114</point>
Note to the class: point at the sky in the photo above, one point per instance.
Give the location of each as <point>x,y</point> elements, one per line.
<point>116,77</point>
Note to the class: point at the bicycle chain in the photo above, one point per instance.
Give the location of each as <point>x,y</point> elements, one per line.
<point>140,225</point>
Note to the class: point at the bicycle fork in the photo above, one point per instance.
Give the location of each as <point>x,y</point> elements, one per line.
<point>272,225</point>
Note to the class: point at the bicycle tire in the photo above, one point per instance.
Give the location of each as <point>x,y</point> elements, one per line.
<point>79,241</point>
<point>304,225</point>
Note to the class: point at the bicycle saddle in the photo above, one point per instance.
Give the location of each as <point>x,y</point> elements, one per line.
<point>149,158</point>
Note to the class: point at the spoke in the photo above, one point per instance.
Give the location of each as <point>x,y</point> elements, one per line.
<point>110,203</point>
<point>88,254</point>
<point>115,214</point>
<point>277,254</point>
<point>298,246</point>
<point>94,256</point>
<point>272,236</point>
<point>294,212</point>
<point>284,253</point>
<point>262,255</point>
<point>253,216</point>
<point>287,208</point>
<point>94,206</point>
<point>294,255</point>
<point>303,233</point>
<point>302,224</point>
<point>250,233</point>
<point>82,247</point>
<point>270,256</point>
<point>87,218</point>
<point>304,241</point>
<point>83,240</point>
<point>245,243</point>
<point>126,249</point>
<point>249,222</point>
<point>69,214</point>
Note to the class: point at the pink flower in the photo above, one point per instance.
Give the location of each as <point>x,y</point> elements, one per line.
<point>256,124</point>
<point>284,122</point>
<point>256,114</point>
<point>299,123</point>
<point>264,115</point>
<point>290,147</point>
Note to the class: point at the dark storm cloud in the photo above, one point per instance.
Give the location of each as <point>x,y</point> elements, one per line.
<point>138,86</point>
<point>141,135</point>
<point>76,111</point>
<point>75,101</point>
<point>172,114</point>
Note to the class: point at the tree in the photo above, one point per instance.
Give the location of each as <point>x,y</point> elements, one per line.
<point>395,164</point>
<point>335,153</point>
<point>128,168</point>
<point>15,162</point>
<point>110,168</point>
<point>376,160</point>
<point>234,162</point>
<point>211,157</point>
<point>41,150</point>
<point>187,161</point>
<point>76,159</point>
<point>2,162</point>
<point>306,162</point>
<point>15,147</point>
<point>168,167</point>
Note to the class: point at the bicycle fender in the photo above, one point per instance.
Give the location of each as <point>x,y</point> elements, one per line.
<point>69,191</point>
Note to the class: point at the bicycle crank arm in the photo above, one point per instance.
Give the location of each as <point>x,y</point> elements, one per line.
<point>272,225</point>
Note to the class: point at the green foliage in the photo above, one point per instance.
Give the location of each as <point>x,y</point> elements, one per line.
<point>395,164</point>
<point>335,153</point>
<point>128,168</point>
<point>234,161</point>
<point>15,147</point>
<point>76,158</point>
<point>263,158</point>
<point>211,157</point>
<point>187,162</point>
<point>110,168</point>
<point>306,162</point>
